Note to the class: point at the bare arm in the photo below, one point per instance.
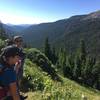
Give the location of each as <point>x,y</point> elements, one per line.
<point>13,91</point>
<point>17,66</point>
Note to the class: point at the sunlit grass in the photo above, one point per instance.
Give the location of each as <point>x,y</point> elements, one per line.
<point>53,90</point>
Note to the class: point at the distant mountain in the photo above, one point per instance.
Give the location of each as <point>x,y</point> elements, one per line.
<point>18,28</point>
<point>36,34</point>
<point>8,30</point>
<point>12,30</point>
<point>67,33</point>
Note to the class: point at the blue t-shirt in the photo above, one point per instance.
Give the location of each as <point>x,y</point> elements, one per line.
<point>8,76</point>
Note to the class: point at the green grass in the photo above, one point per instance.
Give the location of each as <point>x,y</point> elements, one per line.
<point>42,87</point>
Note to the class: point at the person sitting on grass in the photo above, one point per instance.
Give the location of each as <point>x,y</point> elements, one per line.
<point>8,86</point>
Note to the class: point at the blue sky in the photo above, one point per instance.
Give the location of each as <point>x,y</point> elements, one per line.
<point>38,11</point>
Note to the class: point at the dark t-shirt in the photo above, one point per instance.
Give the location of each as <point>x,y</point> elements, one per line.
<point>8,76</point>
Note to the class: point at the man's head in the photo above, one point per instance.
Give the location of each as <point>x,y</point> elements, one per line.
<point>18,41</point>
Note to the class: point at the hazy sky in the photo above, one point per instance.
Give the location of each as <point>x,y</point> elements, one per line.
<point>38,11</point>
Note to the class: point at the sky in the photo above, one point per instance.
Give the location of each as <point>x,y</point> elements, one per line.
<point>40,11</point>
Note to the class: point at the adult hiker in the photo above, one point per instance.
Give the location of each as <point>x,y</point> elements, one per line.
<point>8,85</point>
<point>18,42</point>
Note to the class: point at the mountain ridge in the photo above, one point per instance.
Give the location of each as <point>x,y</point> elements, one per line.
<point>66,33</point>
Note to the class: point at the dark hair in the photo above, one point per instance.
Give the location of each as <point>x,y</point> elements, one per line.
<point>9,51</point>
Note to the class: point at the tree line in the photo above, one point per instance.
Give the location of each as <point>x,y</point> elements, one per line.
<point>80,66</point>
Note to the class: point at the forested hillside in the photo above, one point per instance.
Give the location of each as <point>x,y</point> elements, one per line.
<point>67,33</point>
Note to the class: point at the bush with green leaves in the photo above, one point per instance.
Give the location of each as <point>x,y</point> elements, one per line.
<point>42,61</point>
<point>33,78</point>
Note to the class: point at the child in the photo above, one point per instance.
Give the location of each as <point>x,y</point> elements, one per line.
<point>9,56</point>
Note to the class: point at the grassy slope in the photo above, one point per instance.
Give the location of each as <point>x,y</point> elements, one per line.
<point>67,89</point>
<point>77,89</point>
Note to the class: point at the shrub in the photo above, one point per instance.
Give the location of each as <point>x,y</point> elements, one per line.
<point>33,79</point>
<point>42,61</point>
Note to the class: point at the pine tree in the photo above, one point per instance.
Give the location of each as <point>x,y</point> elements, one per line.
<point>96,75</point>
<point>80,61</point>
<point>87,71</point>
<point>82,52</point>
<point>64,58</point>
<point>47,49</point>
<point>2,31</point>
<point>70,66</point>
<point>77,68</point>
<point>3,34</point>
<point>61,62</point>
<point>54,56</point>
